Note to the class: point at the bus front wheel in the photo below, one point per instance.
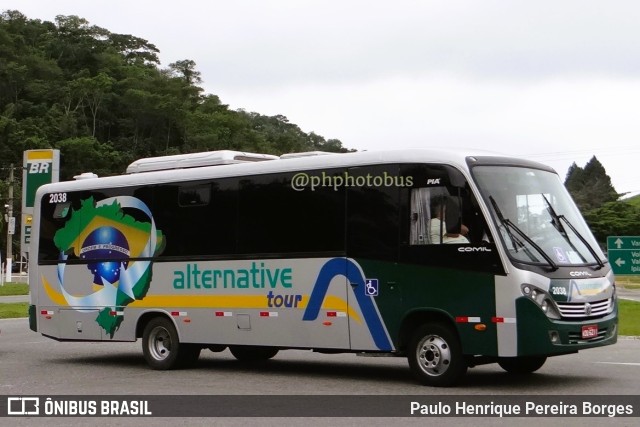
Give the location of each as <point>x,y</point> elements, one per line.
<point>522,365</point>
<point>162,349</point>
<point>435,356</point>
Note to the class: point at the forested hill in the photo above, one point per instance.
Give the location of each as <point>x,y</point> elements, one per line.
<point>103,100</point>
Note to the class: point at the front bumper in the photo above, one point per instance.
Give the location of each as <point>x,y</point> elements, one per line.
<point>536,332</point>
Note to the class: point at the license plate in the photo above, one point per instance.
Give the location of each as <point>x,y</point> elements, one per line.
<point>589,331</point>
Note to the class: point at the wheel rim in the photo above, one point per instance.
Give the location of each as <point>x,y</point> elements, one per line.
<point>159,343</point>
<point>434,355</point>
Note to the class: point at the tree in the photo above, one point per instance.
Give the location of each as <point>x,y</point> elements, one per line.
<point>93,90</point>
<point>614,219</point>
<point>599,202</point>
<point>590,187</point>
<point>186,69</point>
<point>574,180</point>
<point>134,49</point>
<point>86,154</point>
<point>103,100</point>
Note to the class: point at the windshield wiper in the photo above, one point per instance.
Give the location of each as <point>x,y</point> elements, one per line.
<point>503,221</point>
<point>556,222</point>
<point>509,224</point>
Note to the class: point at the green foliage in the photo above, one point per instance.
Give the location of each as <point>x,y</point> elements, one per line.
<point>13,310</point>
<point>599,202</point>
<point>634,201</point>
<point>14,289</point>
<point>629,313</point>
<point>614,219</point>
<point>86,154</point>
<point>590,187</point>
<point>102,99</point>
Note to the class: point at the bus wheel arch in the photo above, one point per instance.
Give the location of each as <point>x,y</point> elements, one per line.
<point>415,319</point>
<point>144,319</point>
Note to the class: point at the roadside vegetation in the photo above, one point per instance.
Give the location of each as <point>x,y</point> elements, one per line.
<point>14,309</point>
<point>629,318</point>
<point>103,99</point>
<point>604,209</point>
<point>14,289</point>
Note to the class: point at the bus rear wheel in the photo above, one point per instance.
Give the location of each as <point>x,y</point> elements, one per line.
<point>162,349</point>
<point>435,356</point>
<point>522,365</point>
<point>249,353</point>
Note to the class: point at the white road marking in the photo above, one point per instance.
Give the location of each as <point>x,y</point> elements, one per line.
<point>620,363</point>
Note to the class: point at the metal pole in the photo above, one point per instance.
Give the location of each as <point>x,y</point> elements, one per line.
<point>9,235</point>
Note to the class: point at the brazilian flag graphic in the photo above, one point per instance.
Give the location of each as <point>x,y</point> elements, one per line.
<point>117,249</point>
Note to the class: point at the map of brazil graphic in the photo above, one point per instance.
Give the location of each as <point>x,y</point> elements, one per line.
<point>117,249</point>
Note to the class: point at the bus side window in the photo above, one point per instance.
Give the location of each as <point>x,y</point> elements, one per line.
<point>420,216</point>
<point>436,217</point>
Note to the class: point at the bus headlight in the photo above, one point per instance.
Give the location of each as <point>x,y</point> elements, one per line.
<point>542,299</point>
<point>545,306</point>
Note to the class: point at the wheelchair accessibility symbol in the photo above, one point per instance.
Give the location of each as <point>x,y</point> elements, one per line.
<point>371,287</point>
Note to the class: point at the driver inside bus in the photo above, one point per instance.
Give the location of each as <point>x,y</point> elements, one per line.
<point>438,232</point>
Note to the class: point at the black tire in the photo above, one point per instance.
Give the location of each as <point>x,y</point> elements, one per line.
<point>217,348</point>
<point>250,353</point>
<point>435,356</point>
<point>522,365</point>
<point>162,349</point>
<point>188,355</point>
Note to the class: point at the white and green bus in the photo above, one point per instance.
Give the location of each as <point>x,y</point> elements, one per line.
<point>450,259</point>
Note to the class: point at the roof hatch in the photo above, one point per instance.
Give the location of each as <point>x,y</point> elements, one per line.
<point>304,154</point>
<point>195,160</point>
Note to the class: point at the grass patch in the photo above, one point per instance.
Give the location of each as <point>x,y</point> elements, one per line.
<point>14,309</point>
<point>629,317</point>
<point>10,288</point>
<point>14,289</point>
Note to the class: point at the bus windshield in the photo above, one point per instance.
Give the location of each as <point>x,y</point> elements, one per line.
<point>537,220</point>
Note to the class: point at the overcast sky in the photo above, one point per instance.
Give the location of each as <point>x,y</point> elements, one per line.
<point>555,81</point>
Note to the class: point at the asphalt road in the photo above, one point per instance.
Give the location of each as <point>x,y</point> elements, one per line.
<point>32,364</point>
<point>633,295</point>
<point>14,298</point>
